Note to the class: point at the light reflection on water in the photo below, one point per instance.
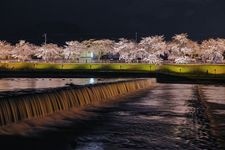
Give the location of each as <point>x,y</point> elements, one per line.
<point>215,98</point>
<point>170,116</point>
<point>12,84</point>
<point>214,94</point>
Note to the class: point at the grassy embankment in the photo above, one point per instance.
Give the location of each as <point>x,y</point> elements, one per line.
<point>186,70</point>
<point>117,67</point>
<point>201,71</point>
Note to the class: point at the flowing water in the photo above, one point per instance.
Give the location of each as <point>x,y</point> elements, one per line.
<point>12,84</point>
<point>169,116</point>
<point>27,106</point>
<point>15,84</point>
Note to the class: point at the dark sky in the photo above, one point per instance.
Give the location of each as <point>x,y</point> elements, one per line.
<point>82,19</point>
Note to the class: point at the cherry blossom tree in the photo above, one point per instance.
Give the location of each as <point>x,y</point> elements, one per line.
<point>152,59</point>
<point>99,47</point>
<point>212,50</point>
<point>155,46</point>
<point>126,49</point>
<point>183,60</point>
<point>182,49</point>
<point>141,54</point>
<point>23,51</point>
<point>72,50</point>
<point>5,50</point>
<point>216,57</point>
<point>178,45</point>
<point>49,52</point>
<point>153,49</point>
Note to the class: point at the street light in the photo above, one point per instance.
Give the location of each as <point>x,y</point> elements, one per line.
<point>45,36</point>
<point>136,36</point>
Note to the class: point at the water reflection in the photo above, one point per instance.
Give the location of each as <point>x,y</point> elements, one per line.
<point>91,81</point>
<point>170,116</point>
<point>12,84</point>
<point>215,100</point>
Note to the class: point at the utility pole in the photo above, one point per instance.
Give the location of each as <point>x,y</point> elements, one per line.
<point>45,36</point>
<point>136,37</point>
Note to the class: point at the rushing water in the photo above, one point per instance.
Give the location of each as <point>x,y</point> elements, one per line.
<point>170,116</point>
<point>28,106</point>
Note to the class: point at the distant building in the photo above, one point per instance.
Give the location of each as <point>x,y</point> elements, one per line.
<point>86,57</point>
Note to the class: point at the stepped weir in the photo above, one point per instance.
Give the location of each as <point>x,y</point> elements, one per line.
<point>17,108</point>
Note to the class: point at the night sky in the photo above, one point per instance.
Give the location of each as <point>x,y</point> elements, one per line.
<point>82,19</point>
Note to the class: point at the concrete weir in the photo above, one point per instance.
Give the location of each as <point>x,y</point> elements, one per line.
<point>20,107</point>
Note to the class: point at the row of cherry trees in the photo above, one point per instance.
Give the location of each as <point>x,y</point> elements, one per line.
<point>152,49</point>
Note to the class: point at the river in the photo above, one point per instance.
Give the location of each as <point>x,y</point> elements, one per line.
<point>18,84</point>
<point>169,116</point>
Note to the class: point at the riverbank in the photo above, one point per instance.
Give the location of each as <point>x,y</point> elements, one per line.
<point>189,72</point>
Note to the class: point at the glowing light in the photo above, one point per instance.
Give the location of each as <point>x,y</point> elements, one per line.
<point>92,54</point>
<point>91,81</point>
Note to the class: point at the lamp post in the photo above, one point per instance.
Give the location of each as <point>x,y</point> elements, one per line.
<point>136,37</point>
<point>45,36</point>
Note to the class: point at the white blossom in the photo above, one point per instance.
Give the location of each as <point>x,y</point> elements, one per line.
<point>183,60</point>
<point>23,51</point>
<point>212,51</point>
<point>49,52</point>
<point>152,59</point>
<point>5,50</point>
<point>72,50</point>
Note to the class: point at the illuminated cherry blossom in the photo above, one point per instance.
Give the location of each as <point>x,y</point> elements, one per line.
<point>99,47</point>
<point>23,51</point>
<point>212,50</point>
<point>153,49</point>
<point>182,49</point>
<point>126,49</point>
<point>5,50</point>
<point>49,52</point>
<point>72,50</point>
<point>153,44</point>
